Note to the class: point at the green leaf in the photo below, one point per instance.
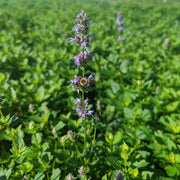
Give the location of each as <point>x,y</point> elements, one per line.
<point>8,173</point>
<point>146,115</point>
<point>39,176</point>
<point>171,171</point>
<point>128,113</point>
<point>140,164</point>
<point>124,66</point>
<point>172,106</point>
<point>47,157</point>
<point>19,142</point>
<point>56,174</point>
<point>13,121</point>
<point>36,138</point>
<point>115,87</point>
<point>59,126</point>
<point>40,94</point>
<point>147,174</point>
<point>117,138</point>
<point>2,175</point>
<point>114,162</point>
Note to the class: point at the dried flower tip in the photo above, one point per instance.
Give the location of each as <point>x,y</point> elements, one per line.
<point>82,171</point>
<point>54,131</point>
<point>69,177</point>
<point>119,175</point>
<point>25,178</point>
<point>31,107</point>
<point>96,117</point>
<point>31,125</point>
<point>166,43</point>
<point>63,139</point>
<point>70,135</point>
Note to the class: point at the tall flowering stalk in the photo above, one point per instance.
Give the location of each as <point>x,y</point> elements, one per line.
<point>83,83</point>
<point>120,23</point>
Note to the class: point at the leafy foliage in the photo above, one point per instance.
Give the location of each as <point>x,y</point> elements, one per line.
<point>136,93</point>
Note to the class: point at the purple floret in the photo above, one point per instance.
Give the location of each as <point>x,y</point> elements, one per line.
<point>75,81</point>
<point>90,78</point>
<point>83,113</point>
<point>121,38</point>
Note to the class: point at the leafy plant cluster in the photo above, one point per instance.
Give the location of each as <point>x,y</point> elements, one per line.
<point>136,94</point>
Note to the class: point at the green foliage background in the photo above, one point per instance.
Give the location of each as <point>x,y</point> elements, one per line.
<point>137,91</point>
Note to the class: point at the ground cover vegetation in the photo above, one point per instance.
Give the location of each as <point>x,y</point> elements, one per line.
<point>133,131</point>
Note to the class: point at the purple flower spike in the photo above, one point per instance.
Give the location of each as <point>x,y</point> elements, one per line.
<point>120,22</point>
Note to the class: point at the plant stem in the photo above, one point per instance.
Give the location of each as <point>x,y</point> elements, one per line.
<point>12,138</point>
<point>85,143</point>
<point>79,154</point>
<point>64,149</point>
<point>47,176</point>
<point>93,141</point>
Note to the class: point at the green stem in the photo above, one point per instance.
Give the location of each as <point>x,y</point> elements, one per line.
<point>85,144</point>
<point>79,154</point>
<point>93,141</point>
<point>24,170</point>
<point>111,147</point>
<point>64,149</point>
<point>12,138</point>
<point>47,176</point>
<point>55,148</point>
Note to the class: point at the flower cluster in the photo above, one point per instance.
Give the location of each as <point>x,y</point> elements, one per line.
<point>83,112</point>
<point>82,82</point>
<point>120,22</point>
<point>81,29</point>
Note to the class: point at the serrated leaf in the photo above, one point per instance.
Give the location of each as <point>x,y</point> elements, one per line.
<point>40,94</point>
<point>13,121</point>
<point>8,173</point>
<point>115,87</point>
<point>172,106</point>
<point>59,126</point>
<point>146,115</point>
<point>39,176</point>
<point>114,162</point>
<point>140,164</point>
<point>171,171</point>
<point>56,174</point>
<point>128,113</point>
<point>117,138</point>
<point>124,66</point>
<point>2,175</point>
<point>47,157</point>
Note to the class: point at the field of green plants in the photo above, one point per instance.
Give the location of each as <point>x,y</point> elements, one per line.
<point>135,132</point>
